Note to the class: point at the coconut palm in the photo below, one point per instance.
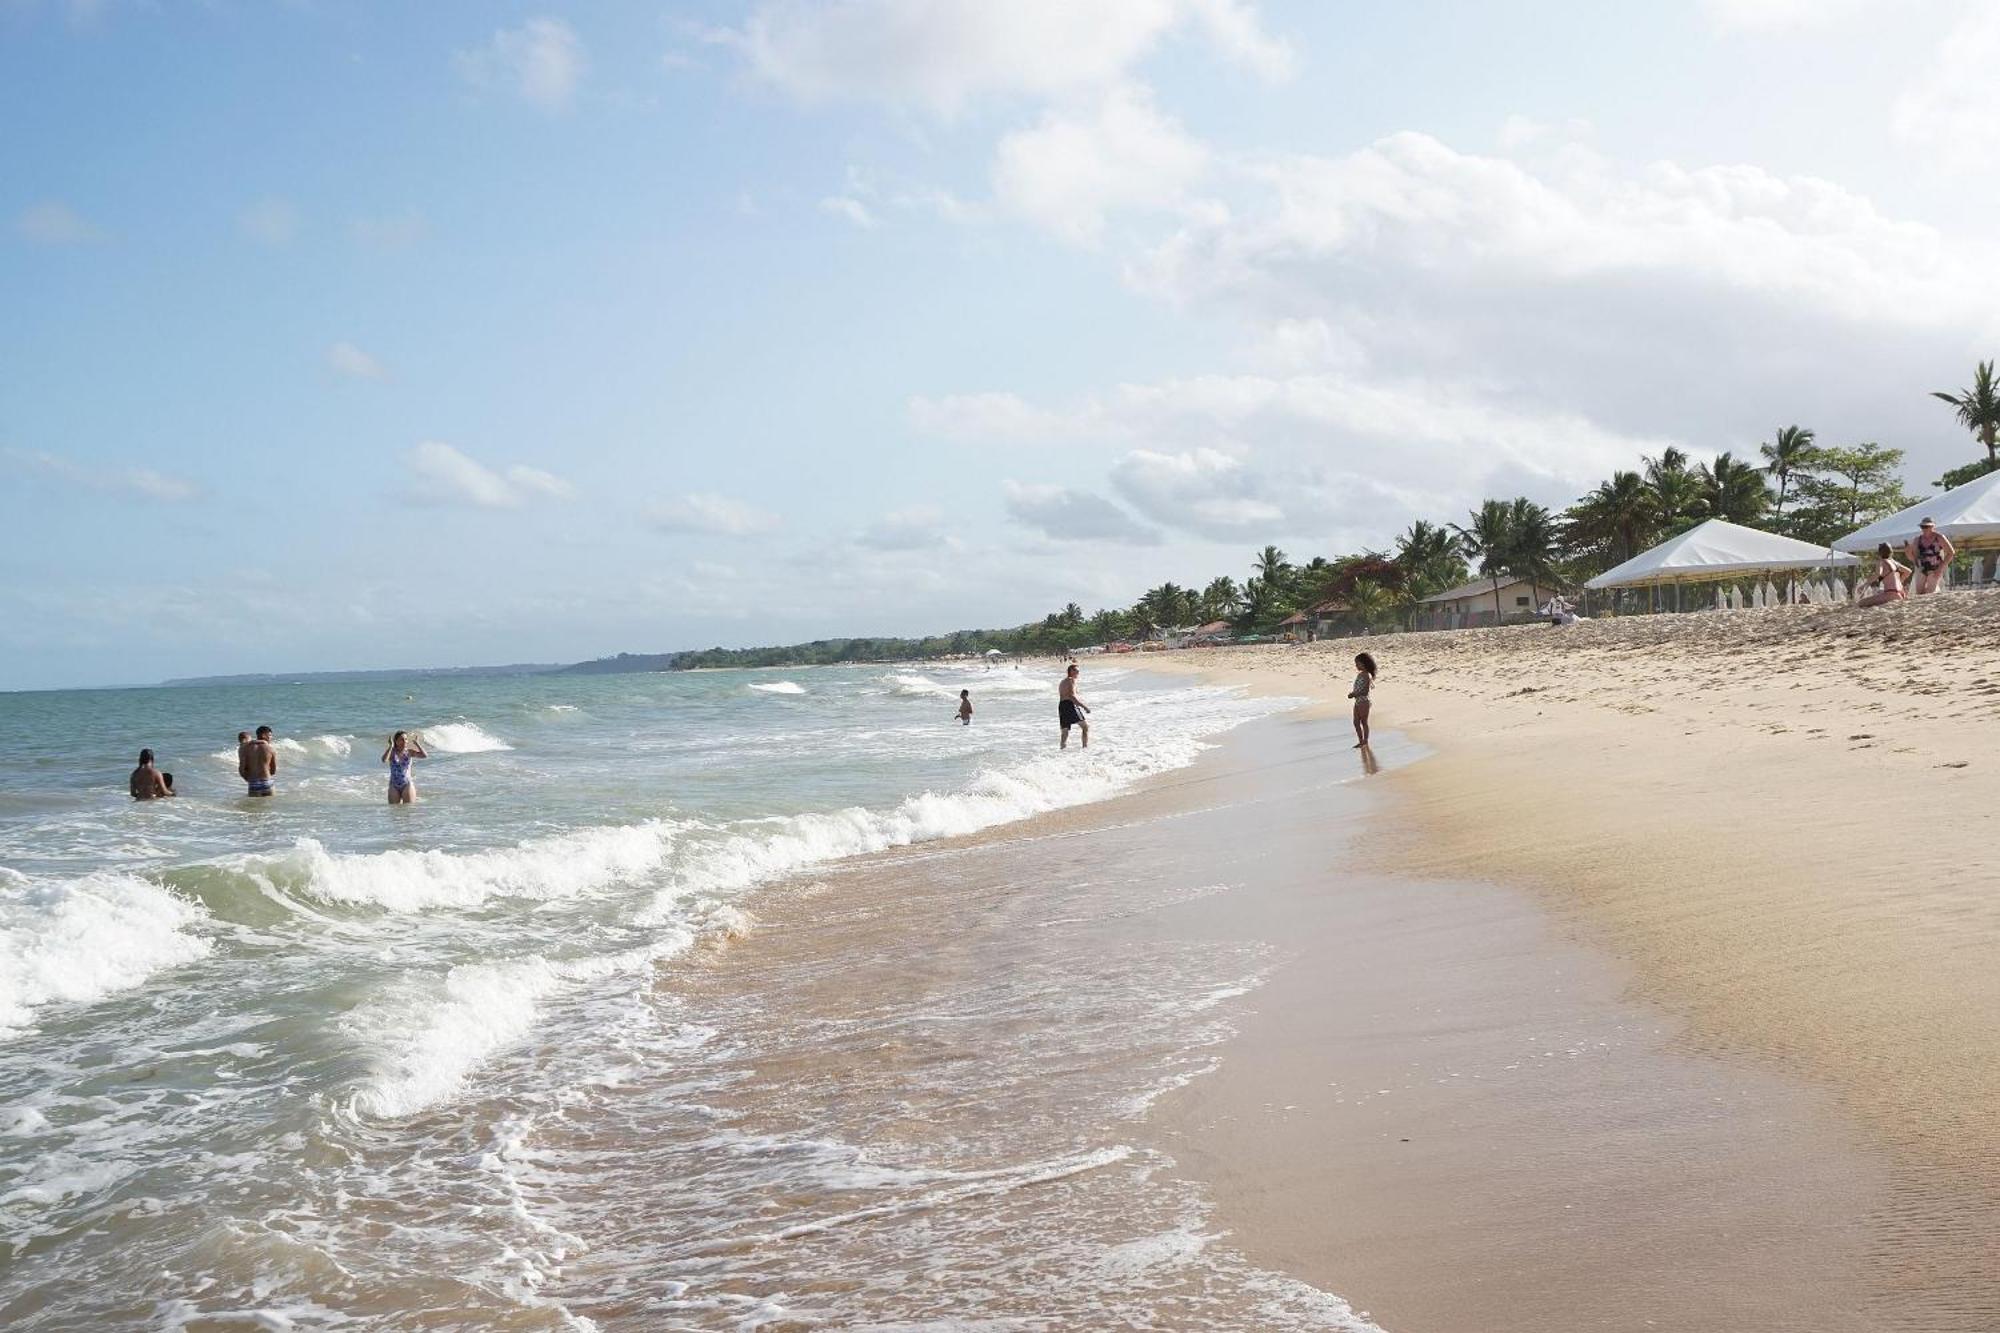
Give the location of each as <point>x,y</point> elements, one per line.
<point>1488,539</point>
<point>1979,409</point>
<point>1789,451</point>
<point>1371,604</point>
<point>1430,558</point>
<point>1676,492</point>
<point>1732,490</point>
<point>1220,599</point>
<point>1619,514</point>
<point>1273,568</point>
<point>1105,625</point>
<point>1531,545</point>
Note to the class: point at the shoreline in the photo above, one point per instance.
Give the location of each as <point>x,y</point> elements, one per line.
<point>1775,821</point>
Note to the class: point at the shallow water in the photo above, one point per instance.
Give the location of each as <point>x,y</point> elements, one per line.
<point>468,1064</point>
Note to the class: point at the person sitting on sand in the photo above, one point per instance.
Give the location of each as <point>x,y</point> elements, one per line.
<point>1889,577</point>
<point>257,762</point>
<point>401,753</point>
<point>1932,553</point>
<point>965,708</point>
<point>1364,680</point>
<point>146,783</point>
<point>1070,710</point>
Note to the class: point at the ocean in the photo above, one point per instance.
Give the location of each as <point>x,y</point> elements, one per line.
<point>611,1029</point>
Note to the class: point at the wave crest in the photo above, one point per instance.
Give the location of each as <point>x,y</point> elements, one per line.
<point>79,940</point>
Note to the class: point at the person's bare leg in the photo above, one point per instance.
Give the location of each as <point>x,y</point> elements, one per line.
<point>1084,727</point>
<point>1065,739</point>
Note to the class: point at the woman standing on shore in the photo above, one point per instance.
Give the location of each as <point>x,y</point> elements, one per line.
<point>401,753</point>
<point>1364,680</point>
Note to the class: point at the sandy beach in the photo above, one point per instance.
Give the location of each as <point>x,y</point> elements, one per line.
<point>1777,826</point>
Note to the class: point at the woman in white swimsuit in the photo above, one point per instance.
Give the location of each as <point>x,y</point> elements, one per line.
<point>402,752</point>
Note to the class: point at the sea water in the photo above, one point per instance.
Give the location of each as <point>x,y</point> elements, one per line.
<point>315,1061</point>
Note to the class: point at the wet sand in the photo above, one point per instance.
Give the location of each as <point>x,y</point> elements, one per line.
<point>1779,826</point>
<point>1172,1061</point>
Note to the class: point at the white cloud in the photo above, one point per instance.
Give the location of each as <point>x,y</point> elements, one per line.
<point>846,206</point>
<point>1205,490</point>
<point>542,61</point>
<point>347,359</point>
<point>1411,204</point>
<point>270,221</point>
<point>1784,16</point>
<point>1069,172</point>
<point>1952,111</point>
<point>444,475</point>
<point>396,231</point>
<point>975,417</point>
<point>143,482</point>
<point>919,528</point>
<point>938,55</point>
<point>715,515</point>
<point>53,222</point>
<point>1073,515</point>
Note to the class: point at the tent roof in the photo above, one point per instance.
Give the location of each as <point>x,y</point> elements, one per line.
<point>1481,587</point>
<point>1713,550</point>
<point>1968,514</point>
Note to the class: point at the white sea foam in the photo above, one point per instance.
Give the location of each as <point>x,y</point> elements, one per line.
<point>431,1036</point>
<point>562,708</point>
<point>761,850</point>
<point>334,745</point>
<point>79,940</point>
<point>560,866</point>
<point>777,687</point>
<point>461,738</point>
<point>318,746</point>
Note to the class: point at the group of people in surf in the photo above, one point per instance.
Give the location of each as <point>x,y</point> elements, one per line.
<point>257,765</point>
<point>1930,551</point>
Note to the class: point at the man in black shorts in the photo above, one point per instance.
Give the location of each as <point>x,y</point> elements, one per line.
<point>1070,709</point>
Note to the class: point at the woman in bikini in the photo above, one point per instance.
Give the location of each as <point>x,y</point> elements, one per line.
<point>1364,681</point>
<point>1889,577</point>
<point>1932,553</point>
<point>401,753</point>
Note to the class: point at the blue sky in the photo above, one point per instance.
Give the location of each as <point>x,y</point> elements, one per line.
<point>367,334</point>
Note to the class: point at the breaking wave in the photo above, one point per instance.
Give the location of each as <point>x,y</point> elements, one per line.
<point>78,940</point>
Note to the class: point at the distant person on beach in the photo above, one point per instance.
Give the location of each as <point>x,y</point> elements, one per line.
<point>1889,577</point>
<point>1932,553</point>
<point>1070,709</point>
<point>147,783</point>
<point>1364,680</point>
<point>965,708</point>
<point>401,753</point>
<point>257,762</point>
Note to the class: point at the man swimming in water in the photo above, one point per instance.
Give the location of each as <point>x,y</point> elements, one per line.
<point>257,762</point>
<point>1070,709</point>
<point>146,783</point>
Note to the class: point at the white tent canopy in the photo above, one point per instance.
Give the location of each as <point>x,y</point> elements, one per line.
<point>1968,514</point>
<point>1716,550</point>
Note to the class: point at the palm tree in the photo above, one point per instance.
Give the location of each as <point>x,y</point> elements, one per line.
<point>1273,568</point>
<point>1104,626</point>
<point>1619,511</point>
<point>1072,616</point>
<point>1370,603</point>
<point>1430,558</point>
<point>1789,451</point>
<point>1488,539</point>
<point>1220,598</point>
<point>1979,409</point>
<point>1731,490</point>
<point>1531,546</point>
<point>1676,493</point>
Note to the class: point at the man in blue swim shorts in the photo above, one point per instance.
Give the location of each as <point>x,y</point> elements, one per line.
<point>257,763</point>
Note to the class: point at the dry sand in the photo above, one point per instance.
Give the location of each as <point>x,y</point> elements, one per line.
<point>1781,823</point>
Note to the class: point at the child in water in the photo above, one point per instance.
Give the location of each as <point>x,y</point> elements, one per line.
<point>965,708</point>
<point>1364,679</point>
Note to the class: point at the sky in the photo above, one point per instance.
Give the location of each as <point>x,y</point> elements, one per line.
<point>346,335</point>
